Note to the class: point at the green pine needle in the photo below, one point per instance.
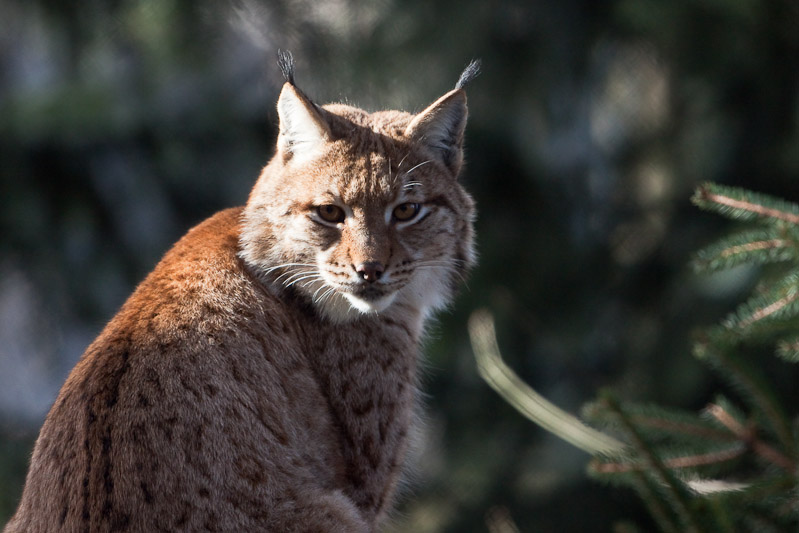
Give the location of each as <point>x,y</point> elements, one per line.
<point>675,425</point>
<point>729,407</point>
<point>744,205</point>
<point>726,468</point>
<point>753,387</point>
<point>769,245</point>
<point>788,349</point>
<point>777,304</point>
<point>659,477</point>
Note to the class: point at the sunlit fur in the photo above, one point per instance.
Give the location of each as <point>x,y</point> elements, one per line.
<point>367,166</point>
<point>254,381</point>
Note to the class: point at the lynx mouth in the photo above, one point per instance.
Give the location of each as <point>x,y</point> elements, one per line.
<point>370,299</point>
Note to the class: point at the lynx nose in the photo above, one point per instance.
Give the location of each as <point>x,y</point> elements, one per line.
<point>370,271</point>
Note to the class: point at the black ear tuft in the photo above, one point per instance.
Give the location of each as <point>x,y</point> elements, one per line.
<point>471,71</point>
<point>286,63</point>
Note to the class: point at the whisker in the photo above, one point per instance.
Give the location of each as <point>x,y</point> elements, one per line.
<point>325,295</point>
<point>402,161</point>
<point>319,289</point>
<point>300,279</point>
<point>328,295</point>
<point>439,262</point>
<point>310,284</point>
<point>291,275</point>
<point>299,273</point>
<point>289,272</point>
<point>308,276</point>
<point>448,267</point>
<point>286,265</point>
<point>417,166</point>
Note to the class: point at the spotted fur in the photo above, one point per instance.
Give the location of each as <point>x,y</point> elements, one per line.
<point>262,377</point>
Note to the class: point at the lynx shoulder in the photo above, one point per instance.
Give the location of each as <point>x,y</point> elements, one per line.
<point>262,377</point>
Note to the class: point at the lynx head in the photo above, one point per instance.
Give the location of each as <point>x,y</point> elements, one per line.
<point>362,212</point>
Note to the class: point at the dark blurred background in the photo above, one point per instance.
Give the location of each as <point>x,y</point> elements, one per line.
<point>124,123</point>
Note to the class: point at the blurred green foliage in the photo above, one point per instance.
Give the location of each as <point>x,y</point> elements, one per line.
<point>732,465</point>
<point>125,122</point>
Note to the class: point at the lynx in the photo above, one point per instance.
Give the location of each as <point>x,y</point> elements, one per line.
<point>263,376</point>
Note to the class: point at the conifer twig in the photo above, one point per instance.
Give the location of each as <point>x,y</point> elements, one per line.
<point>659,512</point>
<point>658,469</point>
<point>683,428</point>
<point>749,437</point>
<point>768,244</point>
<point>768,310</point>
<point>687,461</point>
<point>788,349</point>
<point>751,382</point>
<point>753,247</point>
<point>705,194</point>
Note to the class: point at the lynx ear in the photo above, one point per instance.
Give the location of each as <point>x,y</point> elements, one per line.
<point>440,128</point>
<point>303,129</point>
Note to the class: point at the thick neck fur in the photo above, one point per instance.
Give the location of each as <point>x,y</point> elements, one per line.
<point>263,376</point>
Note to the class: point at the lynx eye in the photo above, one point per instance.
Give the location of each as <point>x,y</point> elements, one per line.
<point>330,213</point>
<point>405,212</point>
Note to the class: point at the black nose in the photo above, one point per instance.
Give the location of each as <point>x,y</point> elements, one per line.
<point>370,271</point>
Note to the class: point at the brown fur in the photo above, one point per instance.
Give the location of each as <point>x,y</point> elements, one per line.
<point>255,381</point>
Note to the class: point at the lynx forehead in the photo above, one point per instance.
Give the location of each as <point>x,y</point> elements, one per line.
<point>263,376</point>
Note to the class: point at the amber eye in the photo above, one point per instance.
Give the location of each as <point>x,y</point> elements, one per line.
<point>405,212</point>
<point>330,213</point>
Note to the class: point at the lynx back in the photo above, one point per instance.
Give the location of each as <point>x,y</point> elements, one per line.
<point>263,376</point>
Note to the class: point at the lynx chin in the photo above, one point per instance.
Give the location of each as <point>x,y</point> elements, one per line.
<point>263,376</point>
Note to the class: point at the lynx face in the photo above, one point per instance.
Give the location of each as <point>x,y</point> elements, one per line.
<point>361,212</point>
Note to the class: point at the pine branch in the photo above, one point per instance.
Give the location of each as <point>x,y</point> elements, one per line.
<point>769,245</point>
<point>670,453</point>
<point>774,309</point>
<point>659,512</point>
<point>674,423</point>
<point>666,481</point>
<point>741,204</point>
<point>749,437</point>
<point>752,384</point>
<point>731,409</point>
<point>779,303</point>
<point>670,449</point>
<point>673,463</point>
<point>648,489</point>
<point>684,429</point>
<point>788,349</point>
